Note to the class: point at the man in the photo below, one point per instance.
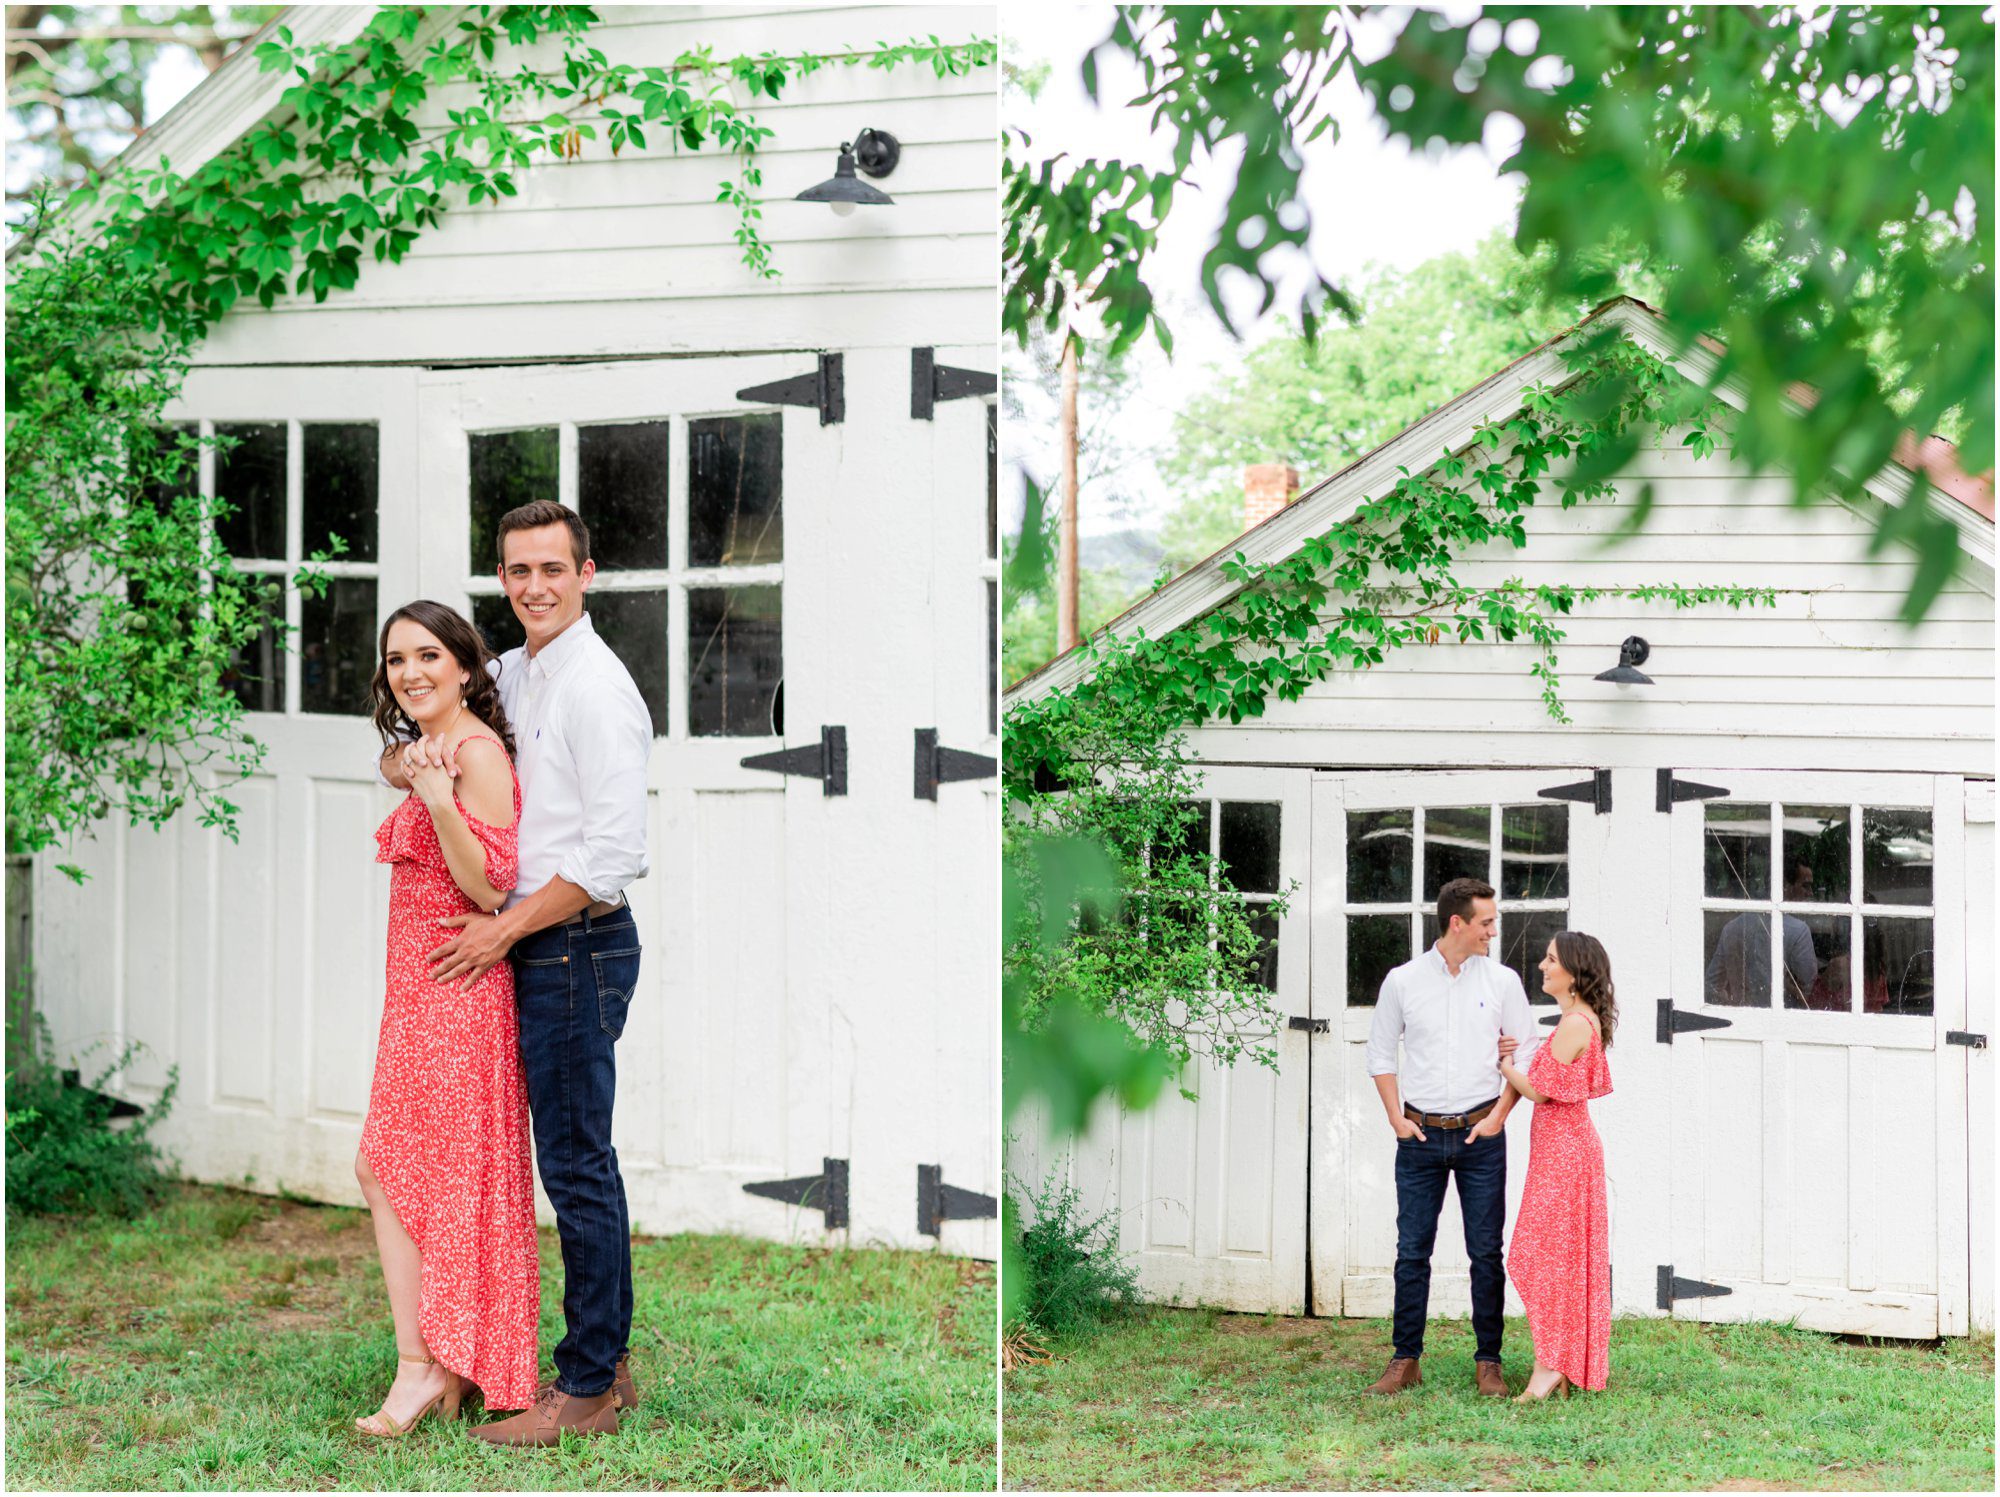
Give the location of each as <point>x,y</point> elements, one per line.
<point>1447,1107</point>
<point>583,735</point>
<point>1739,973</point>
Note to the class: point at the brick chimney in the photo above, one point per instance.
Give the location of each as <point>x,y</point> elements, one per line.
<point>1267,488</point>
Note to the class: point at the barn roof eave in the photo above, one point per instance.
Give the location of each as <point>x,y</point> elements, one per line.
<point>1449,427</point>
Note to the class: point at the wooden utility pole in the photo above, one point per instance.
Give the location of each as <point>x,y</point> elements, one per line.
<point>1066,633</point>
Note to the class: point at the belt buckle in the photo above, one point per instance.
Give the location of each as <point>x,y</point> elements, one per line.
<point>1451,1120</point>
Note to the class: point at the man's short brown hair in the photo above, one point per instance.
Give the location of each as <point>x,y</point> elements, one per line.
<point>1456,897</point>
<point>535,516</point>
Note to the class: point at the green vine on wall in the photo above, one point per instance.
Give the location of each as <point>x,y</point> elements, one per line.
<point>127,623</point>
<point>1384,578</point>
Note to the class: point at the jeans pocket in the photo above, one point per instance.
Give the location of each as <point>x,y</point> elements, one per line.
<point>617,974</point>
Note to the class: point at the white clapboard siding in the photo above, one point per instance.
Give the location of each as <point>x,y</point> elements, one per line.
<point>606,256</point>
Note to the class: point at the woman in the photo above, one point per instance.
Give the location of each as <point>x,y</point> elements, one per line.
<point>1560,1260</point>
<point>444,1154</point>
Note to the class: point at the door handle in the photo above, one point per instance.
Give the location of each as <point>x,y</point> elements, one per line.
<point>1311,1026</point>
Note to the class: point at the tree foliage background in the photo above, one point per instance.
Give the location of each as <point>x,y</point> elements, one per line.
<point>1813,187</point>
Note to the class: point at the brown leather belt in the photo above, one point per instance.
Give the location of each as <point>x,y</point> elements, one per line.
<point>598,911</point>
<point>1448,1119</point>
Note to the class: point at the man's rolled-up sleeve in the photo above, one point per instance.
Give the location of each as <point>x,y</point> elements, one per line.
<point>611,737</point>
<point>1518,1019</point>
<point>1385,1030</point>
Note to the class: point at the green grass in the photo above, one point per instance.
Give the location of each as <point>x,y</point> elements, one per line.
<point>1191,1400</point>
<point>226,1340</point>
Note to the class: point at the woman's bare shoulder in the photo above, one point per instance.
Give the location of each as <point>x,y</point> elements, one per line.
<point>486,781</point>
<point>1572,1035</point>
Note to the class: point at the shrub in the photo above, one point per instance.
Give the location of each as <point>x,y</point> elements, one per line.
<point>63,1153</point>
<point>1074,1273</point>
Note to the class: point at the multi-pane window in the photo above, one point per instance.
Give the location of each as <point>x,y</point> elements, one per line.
<point>1245,837</point>
<point>294,486</point>
<point>686,522</point>
<point>1399,860</point>
<point>1824,907</point>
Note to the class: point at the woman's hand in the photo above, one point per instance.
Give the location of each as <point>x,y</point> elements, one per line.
<point>1508,1045</point>
<point>427,775</point>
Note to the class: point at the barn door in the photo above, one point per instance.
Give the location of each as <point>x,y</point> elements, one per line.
<point>1383,845</point>
<point>1211,1179</point>
<point>1818,1135</point>
<point>698,502</point>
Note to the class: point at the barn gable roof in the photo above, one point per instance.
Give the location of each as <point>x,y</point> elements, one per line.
<point>1451,427</point>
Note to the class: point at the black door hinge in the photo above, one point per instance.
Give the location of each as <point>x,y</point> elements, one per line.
<point>938,1203</point>
<point>1960,1037</point>
<point>826,1191</point>
<point>931,382</point>
<point>1671,1288</point>
<point>826,760</point>
<point>1594,792</point>
<point>824,388</point>
<point>1672,790</point>
<point>1310,1026</point>
<point>936,766</point>
<point>1673,1021</point>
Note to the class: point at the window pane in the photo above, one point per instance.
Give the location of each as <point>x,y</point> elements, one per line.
<point>1190,839</point>
<point>509,469</point>
<point>992,481</point>
<point>1534,854</point>
<point>342,471</point>
<point>1896,857</point>
<point>1250,845</point>
<point>1375,945</point>
<point>1816,855</point>
<point>1737,956</point>
<point>255,675</point>
<point>1819,960</point>
<point>1896,965</point>
<point>1379,861</point>
<point>251,476</point>
<point>496,620</point>
<point>1264,966</point>
<point>1736,852</point>
<point>1524,941</point>
<point>635,626</point>
<point>735,491</point>
<point>735,659</point>
<point>1458,843</point>
<point>992,657</point>
<point>621,490</point>
<point>337,648</point>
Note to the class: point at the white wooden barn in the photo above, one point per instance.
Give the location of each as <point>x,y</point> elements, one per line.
<point>1807,1136</point>
<point>806,569</point>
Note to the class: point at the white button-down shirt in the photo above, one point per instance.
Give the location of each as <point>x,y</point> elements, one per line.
<point>582,736</point>
<point>1450,1030</point>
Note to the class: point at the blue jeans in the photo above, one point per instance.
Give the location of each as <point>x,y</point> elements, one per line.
<point>1422,1171</point>
<point>572,986</point>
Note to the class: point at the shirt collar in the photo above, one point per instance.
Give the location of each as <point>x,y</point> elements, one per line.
<point>565,647</point>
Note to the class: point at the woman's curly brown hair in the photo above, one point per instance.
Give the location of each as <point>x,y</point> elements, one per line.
<point>1589,966</point>
<point>467,647</point>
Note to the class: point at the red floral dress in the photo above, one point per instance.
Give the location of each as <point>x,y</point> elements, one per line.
<point>447,1129</point>
<point>1560,1258</point>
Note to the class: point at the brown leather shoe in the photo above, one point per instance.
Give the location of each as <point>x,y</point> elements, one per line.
<point>1402,1373</point>
<point>623,1389</point>
<point>1486,1378</point>
<point>554,1412</point>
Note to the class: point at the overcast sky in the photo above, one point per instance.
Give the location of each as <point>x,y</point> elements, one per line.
<point>1371,202</point>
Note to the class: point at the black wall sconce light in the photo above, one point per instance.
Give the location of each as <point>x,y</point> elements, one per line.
<point>1631,655</point>
<point>874,152</point>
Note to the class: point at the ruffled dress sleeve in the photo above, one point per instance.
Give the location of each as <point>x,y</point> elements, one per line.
<point>1580,1080</point>
<point>502,844</point>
